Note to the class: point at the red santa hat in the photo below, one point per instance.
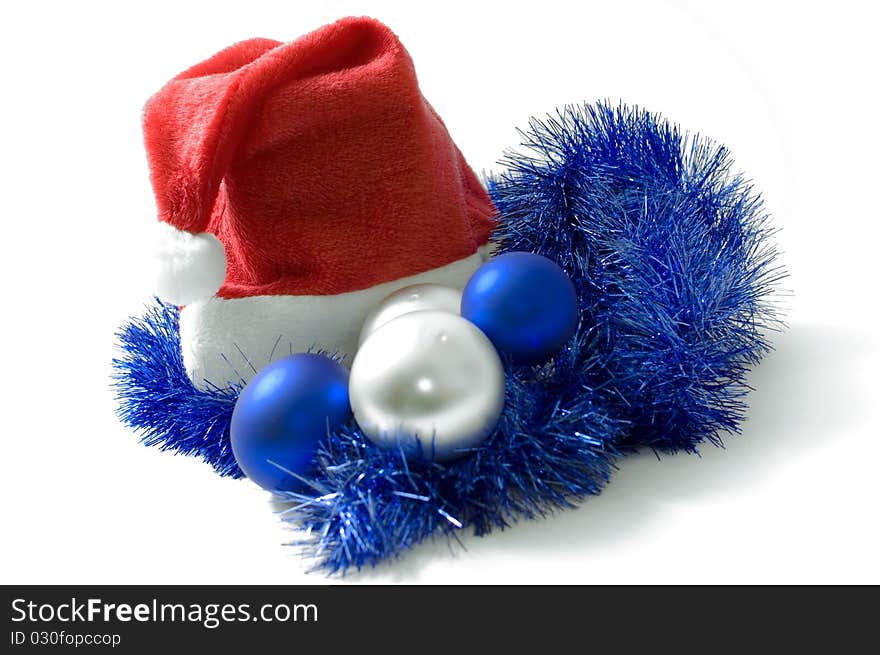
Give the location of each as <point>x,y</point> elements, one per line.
<point>298,184</point>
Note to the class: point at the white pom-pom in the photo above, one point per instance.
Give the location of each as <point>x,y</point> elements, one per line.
<point>189,267</point>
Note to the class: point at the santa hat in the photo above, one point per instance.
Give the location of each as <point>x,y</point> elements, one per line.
<point>298,184</point>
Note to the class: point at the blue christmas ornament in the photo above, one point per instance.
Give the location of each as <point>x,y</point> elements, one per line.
<point>525,304</point>
<point>283,414</point>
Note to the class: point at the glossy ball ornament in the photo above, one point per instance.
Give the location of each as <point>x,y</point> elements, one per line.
<point>524,303</point>
<point>283,413</point>
<point>428,382</point>
<point>413,298</point>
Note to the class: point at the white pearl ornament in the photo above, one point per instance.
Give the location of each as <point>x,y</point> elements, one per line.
<point>414,298</point>
<point>429,382</point>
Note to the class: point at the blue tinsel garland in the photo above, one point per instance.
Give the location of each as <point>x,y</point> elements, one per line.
<point>157,398</point>
<point>671,259</point>
<point>670,251</point>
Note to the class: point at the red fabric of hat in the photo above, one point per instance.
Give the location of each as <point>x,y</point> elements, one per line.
<point>318,164</point>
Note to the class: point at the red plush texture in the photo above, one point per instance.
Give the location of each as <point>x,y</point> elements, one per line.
<point>317,163</point>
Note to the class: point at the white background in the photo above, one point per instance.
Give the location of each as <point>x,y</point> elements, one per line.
<point>790,87</point>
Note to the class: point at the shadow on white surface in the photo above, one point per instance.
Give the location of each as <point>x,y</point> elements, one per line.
<point>806,393</point>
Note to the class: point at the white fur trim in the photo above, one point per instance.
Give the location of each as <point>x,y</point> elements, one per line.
<point>189,267</point>
<point>226,340</point>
